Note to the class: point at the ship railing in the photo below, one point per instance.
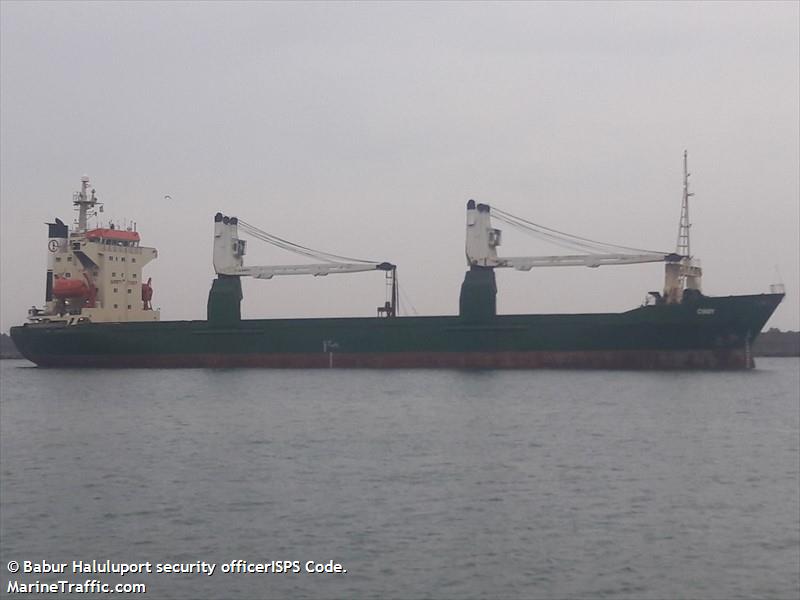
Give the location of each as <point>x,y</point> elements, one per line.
<point>777,288</point>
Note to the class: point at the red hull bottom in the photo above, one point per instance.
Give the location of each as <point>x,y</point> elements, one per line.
<point>596,359</point>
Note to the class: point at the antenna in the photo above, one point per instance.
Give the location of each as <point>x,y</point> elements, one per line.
<point>683,248</point>
<point>685,275</point>
<point>83,203</point>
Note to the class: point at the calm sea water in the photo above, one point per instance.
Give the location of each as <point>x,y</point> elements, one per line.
<point>422,484</point>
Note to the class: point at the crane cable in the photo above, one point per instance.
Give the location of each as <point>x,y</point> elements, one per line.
<point>262,235</point>
<point>564,239</point>
<point>406,301</point>
<point>327,257</point>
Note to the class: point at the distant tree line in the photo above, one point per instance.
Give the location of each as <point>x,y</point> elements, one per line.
<point>7,347</point>
<point>775,342</point>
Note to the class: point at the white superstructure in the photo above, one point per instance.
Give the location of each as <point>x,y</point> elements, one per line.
<point>95,274</point>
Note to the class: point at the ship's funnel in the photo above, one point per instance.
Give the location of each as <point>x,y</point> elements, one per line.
<point>58,236</point>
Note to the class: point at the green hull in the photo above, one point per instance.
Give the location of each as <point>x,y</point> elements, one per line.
<point>708,332</point>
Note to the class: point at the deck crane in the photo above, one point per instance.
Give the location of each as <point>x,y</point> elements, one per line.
<point>229,250</point>
<point>483,239</point>
<point>479,290</point>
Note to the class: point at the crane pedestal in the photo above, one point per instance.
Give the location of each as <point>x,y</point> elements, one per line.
<point>478,300</point>
<point>225,301</point>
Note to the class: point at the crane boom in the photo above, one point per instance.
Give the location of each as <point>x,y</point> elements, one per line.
<point>482,241</point>
<point>317,270</point>
<point>229,251</point>
<point>526,263</point>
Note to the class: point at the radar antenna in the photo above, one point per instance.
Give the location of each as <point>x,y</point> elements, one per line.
<point>84,203</point>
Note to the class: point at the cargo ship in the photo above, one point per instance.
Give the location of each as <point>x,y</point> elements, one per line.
<point>98,310</point>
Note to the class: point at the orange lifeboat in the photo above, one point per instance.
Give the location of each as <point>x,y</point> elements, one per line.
<point>70,288</point>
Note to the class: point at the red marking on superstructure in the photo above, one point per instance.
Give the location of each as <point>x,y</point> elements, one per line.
<point>147,294</point>
<point>114,234</point>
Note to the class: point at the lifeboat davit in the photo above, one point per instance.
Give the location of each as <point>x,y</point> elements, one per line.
<point>70,288</point>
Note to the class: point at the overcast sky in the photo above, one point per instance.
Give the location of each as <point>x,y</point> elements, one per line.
<point>363,128</point>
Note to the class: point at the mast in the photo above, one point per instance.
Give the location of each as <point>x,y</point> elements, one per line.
<point>83,203</point>
<point>683,248</point>
<point>686,274</point>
